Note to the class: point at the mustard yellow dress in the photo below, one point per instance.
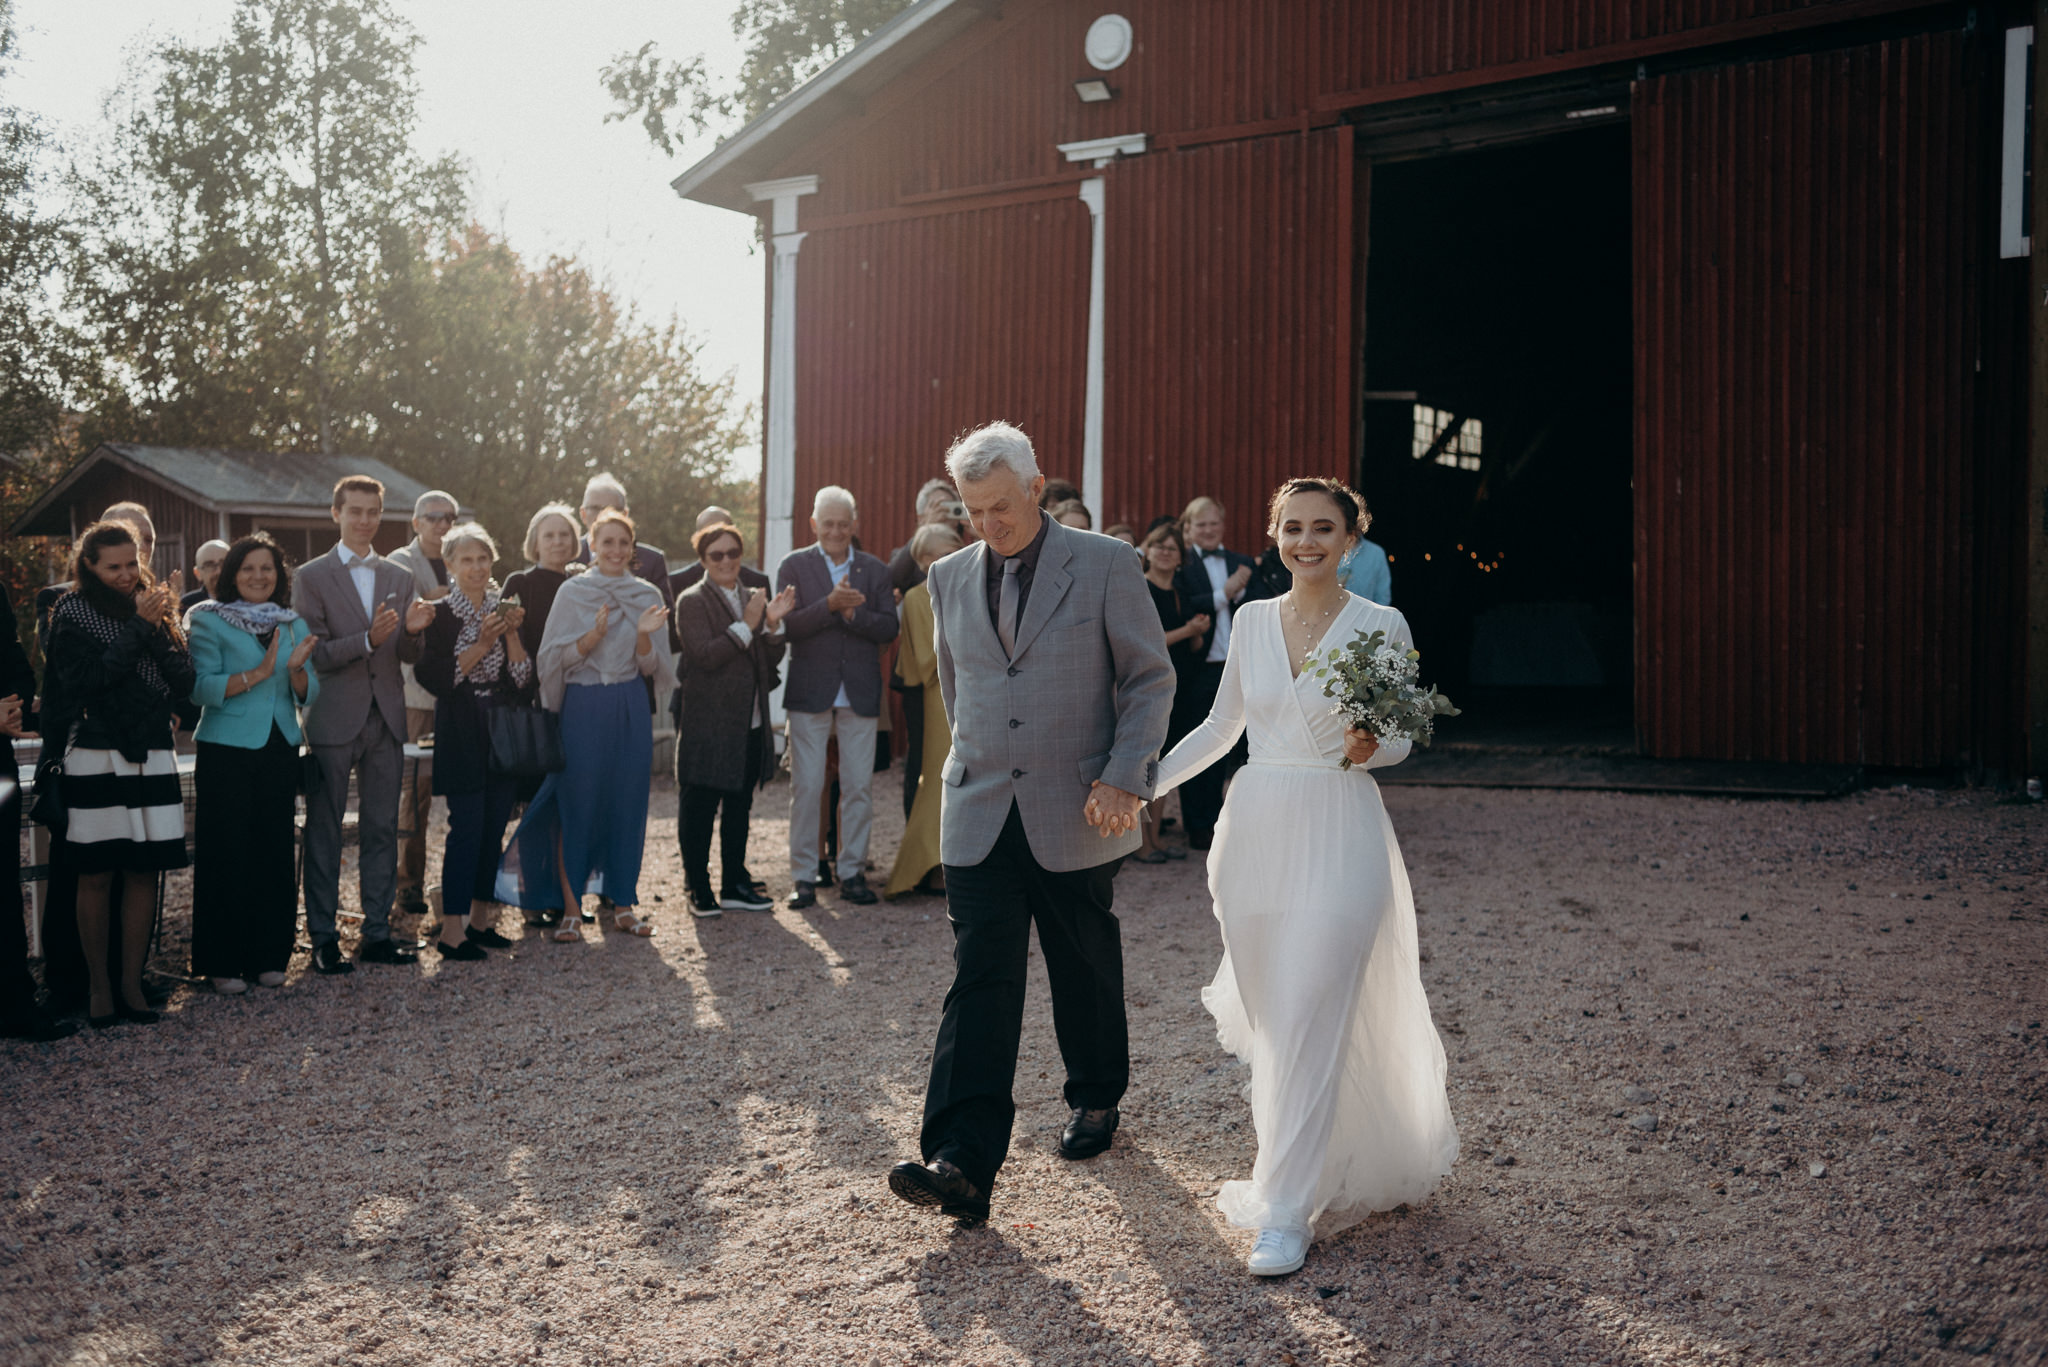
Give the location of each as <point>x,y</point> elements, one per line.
<point>917,664</point>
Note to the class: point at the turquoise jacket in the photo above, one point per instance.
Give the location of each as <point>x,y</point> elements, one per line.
<point>219,652</point>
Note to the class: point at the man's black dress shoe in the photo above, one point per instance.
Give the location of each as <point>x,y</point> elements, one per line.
<point>1088,1133</point>
<point>328,959</point>
<point>806,895</point>
<point>857,891</point>
<point>489,939</point>
<point>939,1183</point>
<point>469,951</point>
<point>388,952</point>
<point>824,873</point>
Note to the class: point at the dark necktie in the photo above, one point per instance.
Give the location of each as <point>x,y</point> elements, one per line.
<point>1006,607</point>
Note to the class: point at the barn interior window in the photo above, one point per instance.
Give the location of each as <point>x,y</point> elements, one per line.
<point>1447,438</point>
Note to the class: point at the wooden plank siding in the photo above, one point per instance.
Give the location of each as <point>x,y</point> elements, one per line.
<point>1810,252</point>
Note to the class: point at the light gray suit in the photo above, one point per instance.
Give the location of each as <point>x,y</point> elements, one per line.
<point>1084,694</point>
<point>356,723</point>
<point>1085,697</point>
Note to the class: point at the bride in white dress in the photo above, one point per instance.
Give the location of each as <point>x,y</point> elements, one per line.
<point>1319,991</point>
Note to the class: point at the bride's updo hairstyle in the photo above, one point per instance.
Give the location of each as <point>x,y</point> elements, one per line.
<point>1350,505</point>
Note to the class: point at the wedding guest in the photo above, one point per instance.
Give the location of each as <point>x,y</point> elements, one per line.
<point>206,569</point>
<point>1073,513</point>
<point>472,660</point>
<point>845,613</point>
<point>20,1016</point>
<point>117,658</point>
<point>1366,572</point>
<point>552,541</point>
<point>938,505</point>
<point>433,513</point>
<point>690,576</point>
<point>251,654</point>
<point>602,492</point>
<point>367,616</point>
<point>586,830</point>
<point>1122,531</point>
<point>1058,491</point>
<point>918,866</point>
<point>1215,581</point>
<point>732,640</point>
<point>1164,552</point>
<point>64,972</point>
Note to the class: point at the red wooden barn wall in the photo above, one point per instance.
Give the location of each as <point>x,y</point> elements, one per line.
<point>1228,361</point>
<point>916,330</point>
<point>1809,250</point>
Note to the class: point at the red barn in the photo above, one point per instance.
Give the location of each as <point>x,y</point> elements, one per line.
<point>1679,348</point>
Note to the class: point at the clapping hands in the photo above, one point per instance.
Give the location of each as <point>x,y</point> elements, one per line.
<point>650,621</point>
<point>419,616</point>
<point>156,605</point>
<point>845,599</point>
<point>301,653</point>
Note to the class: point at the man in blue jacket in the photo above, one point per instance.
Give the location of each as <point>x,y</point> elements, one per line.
<point>845,613</point>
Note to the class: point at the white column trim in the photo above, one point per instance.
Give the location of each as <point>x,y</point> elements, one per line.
<point>1103,151</point>
<point>778,456</point>
<point>1091,421</point>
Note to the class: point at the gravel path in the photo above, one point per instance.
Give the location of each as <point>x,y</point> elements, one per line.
<point>1738,1083</point>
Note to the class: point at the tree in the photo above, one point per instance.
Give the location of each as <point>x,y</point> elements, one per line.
<point>788,42</point>
<point>244,215</point>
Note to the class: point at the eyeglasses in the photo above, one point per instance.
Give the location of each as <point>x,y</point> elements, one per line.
<point>720,557</point>
<point>437,517</point>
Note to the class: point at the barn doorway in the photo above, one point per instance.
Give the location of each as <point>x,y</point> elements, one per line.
<point>1496,444</point>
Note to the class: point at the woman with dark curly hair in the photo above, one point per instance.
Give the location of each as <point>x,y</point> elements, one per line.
<point>117,667</point>
<point>252,654</point>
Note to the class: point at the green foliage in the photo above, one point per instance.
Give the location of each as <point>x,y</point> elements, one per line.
<point>1374,684</point>
<point>787,43</point>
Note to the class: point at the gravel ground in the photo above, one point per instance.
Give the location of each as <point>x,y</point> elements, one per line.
<point>1739,1082</point>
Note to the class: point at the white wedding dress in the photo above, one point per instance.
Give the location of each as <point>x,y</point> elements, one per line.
<point>1320,991</point>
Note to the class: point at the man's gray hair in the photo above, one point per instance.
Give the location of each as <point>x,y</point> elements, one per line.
<point>431,497</point>
<point>605,491</point>
<point>712,516</point>
<point>934,491</point>
<point>833,496</point>
<point>462,535</point>
<point>531,546</point>
<point>978,454</point>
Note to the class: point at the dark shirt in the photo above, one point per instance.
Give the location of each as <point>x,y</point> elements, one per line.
<point>1173,614</point>
<point>1027,568</point>
<point>904,574</point>
<point>193,599</point>
<point>535,588</point>
<point>440,569</point>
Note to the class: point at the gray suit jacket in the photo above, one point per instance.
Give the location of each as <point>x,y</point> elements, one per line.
<point>351,674</point>
<point>1085,697</point>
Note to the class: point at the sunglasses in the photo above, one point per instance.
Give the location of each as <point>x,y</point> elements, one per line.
<point>720,557</point>
<point>437,517</point>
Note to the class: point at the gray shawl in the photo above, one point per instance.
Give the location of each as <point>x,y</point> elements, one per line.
<point>575,612</point>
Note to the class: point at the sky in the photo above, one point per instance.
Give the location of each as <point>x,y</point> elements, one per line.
<point>512,87</point>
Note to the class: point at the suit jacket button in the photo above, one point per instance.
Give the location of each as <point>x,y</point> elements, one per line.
<point>1014,723</point>
<point>1016,773</point>
<point>1013,671</point>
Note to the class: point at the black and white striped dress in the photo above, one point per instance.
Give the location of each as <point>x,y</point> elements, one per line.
<point>114,679</point>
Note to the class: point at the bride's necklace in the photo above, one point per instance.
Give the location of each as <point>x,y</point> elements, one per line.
<point>1311,632</point>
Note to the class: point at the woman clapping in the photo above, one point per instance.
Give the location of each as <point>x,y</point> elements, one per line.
<point>250,651</point>
<point>117,666</point>
<point>472,660</point>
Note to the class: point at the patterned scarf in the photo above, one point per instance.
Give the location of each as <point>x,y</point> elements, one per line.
<point>258,619</point>
<point>82,614</point>
<point>486,671</point>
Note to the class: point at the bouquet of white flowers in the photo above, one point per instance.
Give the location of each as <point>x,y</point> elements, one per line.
<point>1374,685</point>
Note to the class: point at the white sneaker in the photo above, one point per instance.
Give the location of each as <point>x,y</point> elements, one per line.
<point>230,987</point>
<point>271,979</point>
<point>1278,1252</point>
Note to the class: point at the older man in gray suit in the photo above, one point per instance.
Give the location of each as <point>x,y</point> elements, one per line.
<point>367,615</point>
<point>1055,674</point>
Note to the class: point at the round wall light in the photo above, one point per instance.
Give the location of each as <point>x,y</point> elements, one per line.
<point>1109,42</point>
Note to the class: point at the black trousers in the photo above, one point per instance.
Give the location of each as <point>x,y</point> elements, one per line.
<point>968,1106</point>
<point>1201,797</point>
<point>245,886</point>
<point>17,984</point>
<point>731,808</point>
<point>913,735</point>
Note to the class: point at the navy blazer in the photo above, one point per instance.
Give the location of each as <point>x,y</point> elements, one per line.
<point>1197,595</point>
<point>825,650</point>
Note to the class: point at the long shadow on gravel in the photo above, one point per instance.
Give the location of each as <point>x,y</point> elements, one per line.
<point>982,1284</point>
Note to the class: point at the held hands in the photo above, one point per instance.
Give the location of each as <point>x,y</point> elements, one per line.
<point>780,606</point>
<point>382,625</point>
<point>1360,745</point>
<point>1112,811</point>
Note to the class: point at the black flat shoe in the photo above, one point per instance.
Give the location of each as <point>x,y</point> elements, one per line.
<point>328,959</point>
<point>105,1022</point>
<point>135,1015</point>
<point>489,939</point>
<point>939,1183</point>
<point>1088,1133</point>
<point>387,952</point>
<point>468,951</point>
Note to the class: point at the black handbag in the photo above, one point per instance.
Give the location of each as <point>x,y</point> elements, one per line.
<point>46,805</point>
<point>526,742</point>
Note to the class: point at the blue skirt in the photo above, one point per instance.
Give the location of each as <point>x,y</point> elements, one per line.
<point>596,808</point>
